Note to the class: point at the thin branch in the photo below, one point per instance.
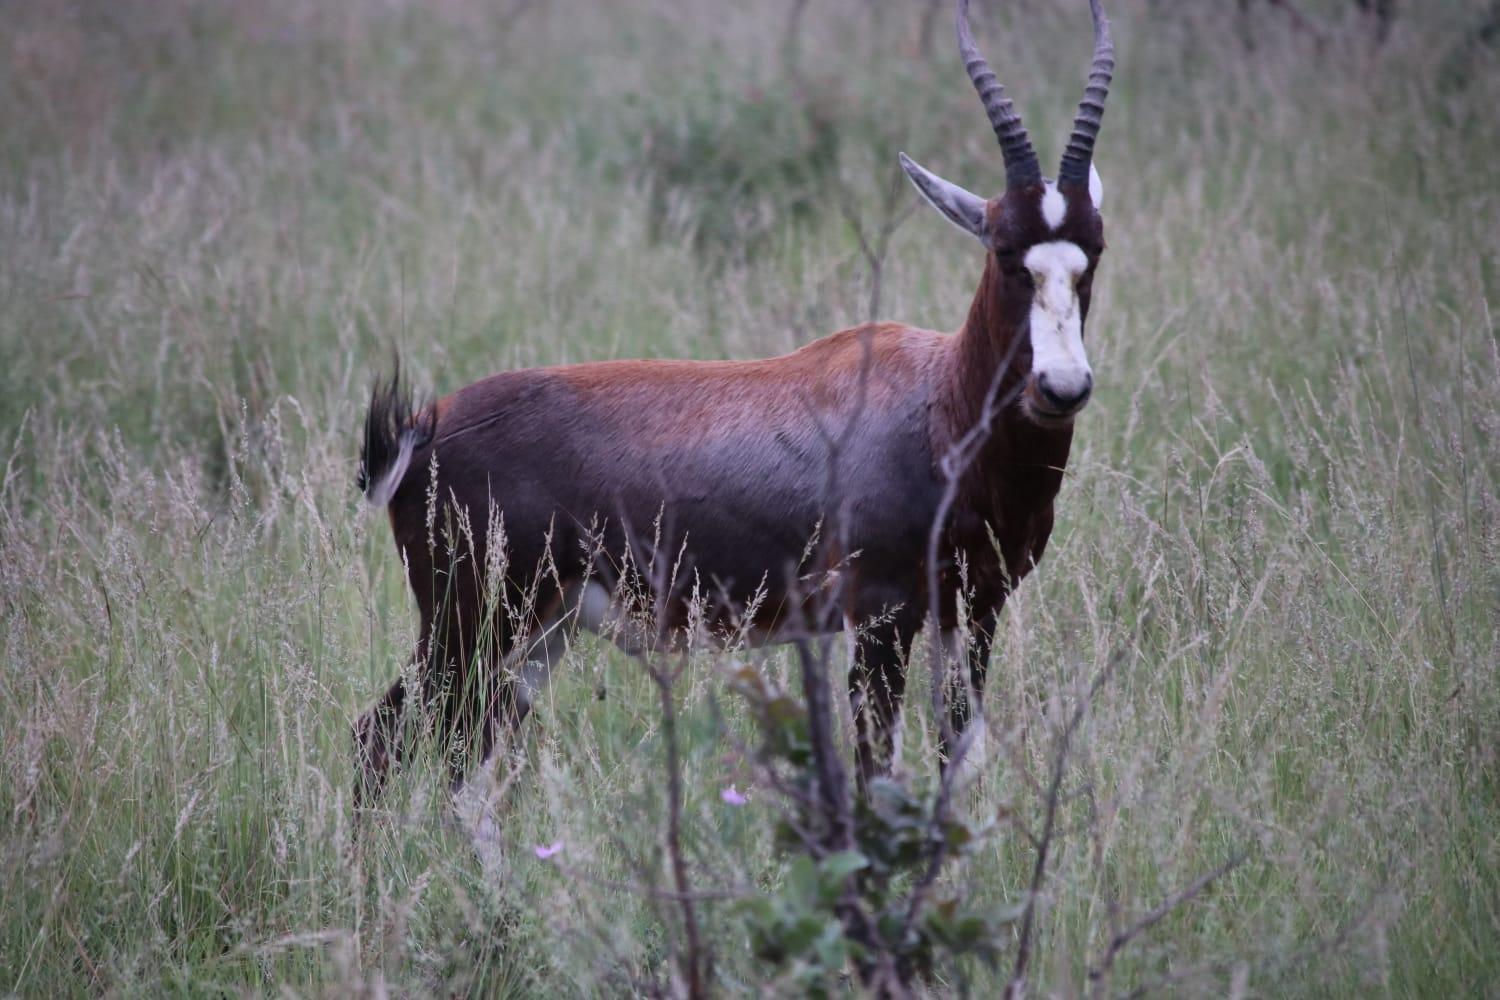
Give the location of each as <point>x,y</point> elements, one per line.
<point>874,246</point>
<point>695,962</point>
<point>955,464</point>
<point>1017,981</point>
<point>791,49</point>
<point>1279,960</point>
<point>1122,939</point>
<point>1299,20</point>
<point>928,26</point>
<point>833,783</point>
<point>653,892</point>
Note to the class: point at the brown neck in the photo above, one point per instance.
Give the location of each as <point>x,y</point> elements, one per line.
<point>990,353</point>
<point>989,343</point>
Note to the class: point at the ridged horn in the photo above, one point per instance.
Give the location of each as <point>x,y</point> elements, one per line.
<point>1080,150</point>
<point>1021,166</point>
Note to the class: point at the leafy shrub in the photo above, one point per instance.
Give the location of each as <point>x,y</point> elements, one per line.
<point>869,905</point>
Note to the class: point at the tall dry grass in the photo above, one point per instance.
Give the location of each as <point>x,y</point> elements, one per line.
<point>217,222</point>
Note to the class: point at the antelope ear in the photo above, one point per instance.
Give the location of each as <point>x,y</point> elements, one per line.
<point>1096,189</point>
<point>962,208</point>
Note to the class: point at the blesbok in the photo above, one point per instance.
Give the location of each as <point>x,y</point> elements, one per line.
<point>724,467</point>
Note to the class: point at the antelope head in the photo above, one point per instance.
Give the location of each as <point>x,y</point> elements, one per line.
<point>1045,235</point>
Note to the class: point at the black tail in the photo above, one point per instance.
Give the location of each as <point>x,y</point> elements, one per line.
<point>394,428</point>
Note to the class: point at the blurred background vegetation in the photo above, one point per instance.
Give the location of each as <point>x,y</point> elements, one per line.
<point>218,221</point>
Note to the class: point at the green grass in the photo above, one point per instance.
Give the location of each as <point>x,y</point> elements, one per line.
<point>217,222</point>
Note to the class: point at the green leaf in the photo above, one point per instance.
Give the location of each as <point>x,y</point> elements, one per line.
<point>802,883</point>
<point>843,864</point>
<point>797,938</point>
<point>960,836</point>
<point>757,909</point>
<point>832,947</point>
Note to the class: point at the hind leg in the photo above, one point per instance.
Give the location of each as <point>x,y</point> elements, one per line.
<point>454,662</point>
<point>384,734</point>
<point>524,676</point>
<point>379,743</point>
<point>520,683</point>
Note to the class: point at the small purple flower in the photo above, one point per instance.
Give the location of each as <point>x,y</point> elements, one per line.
<point>733,796</point>
<point>545,851</point>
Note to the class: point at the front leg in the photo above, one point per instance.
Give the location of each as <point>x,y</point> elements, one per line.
<point>967,658</point>
<point>877,681</point>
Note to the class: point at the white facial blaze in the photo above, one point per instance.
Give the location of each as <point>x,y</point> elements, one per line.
<point>1056,323</point>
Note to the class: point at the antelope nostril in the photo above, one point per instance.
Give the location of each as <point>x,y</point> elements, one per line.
<point>1065,394</point>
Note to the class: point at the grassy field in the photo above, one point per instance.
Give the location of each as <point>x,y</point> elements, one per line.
<point>218,222</point>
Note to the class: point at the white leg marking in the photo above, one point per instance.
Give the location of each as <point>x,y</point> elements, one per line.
<point>956,660</point>
<point>976,756</point>
<point>598,613</point>
<point>477,803</point>
<point>851,645</point>
<point>595,607</point>
<point>898,734</point>
<point>544,653</point>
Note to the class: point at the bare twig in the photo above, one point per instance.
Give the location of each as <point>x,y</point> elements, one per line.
<point>514,11</point>
<point>1277,960</point>
<point>654,892</point>
<point>833,783</point>
<point>694,963</point>
<point>954,465</point>
<point>875,244</point>
<point>1017,982</point>
<point>1299,20</point>
<point>1384,13</point>
<point>791,49</point>
<point>928,27</point>
<point>878,971</point>
<point>1099,972</point>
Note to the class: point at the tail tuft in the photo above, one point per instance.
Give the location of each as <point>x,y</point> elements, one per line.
<point>394,428</point>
